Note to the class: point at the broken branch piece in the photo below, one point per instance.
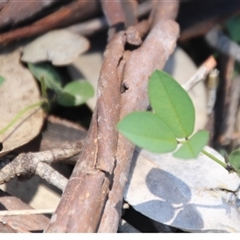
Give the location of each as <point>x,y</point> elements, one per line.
<point>28,164</point>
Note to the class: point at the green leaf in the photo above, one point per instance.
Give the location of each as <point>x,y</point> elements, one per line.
<point>1,80</point>
<point>51,77</point>
<point>236,70</point>
<point>66,99</point>
<point>146,130</point>
<point>75,93</point>
<point>193,146</point>
<point>43,88</point>
<point>233,27</point>
<point>171,103</point>
<point>234,159</point>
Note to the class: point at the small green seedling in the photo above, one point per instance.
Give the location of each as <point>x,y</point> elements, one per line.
<point>73,94</point>
<point>170,125</point>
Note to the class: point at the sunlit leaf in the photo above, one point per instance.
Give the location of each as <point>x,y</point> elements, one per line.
<point>51,77</point>
<point>171,103</point>
<point>75,93</point>
<point>193,146</point>
<point>146,130</point>
<point>234,159</point>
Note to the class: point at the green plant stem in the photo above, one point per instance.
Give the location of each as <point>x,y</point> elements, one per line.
<point>19,114</point>
<point>43,88</point>
<point>215,159</point>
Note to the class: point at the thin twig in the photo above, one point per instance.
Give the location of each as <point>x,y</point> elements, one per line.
<point>53,177</point>
<point>212,84</point>
<point>26,212</point>
<point>28,164</point>
<point>201,73</point>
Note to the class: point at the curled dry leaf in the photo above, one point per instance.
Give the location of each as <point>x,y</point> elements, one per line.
<point>18,91</point>
<point>60,47</point>
<point>196,196</point>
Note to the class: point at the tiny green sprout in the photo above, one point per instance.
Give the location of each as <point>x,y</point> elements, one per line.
<point>1,80</point>
<point>170,125</point>
<point>74,93</point>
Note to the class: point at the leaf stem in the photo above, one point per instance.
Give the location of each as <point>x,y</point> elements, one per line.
<point>19,114</point>
<point>228,167</point>
<point>214,159</point>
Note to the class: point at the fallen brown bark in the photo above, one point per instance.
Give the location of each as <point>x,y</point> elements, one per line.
<point>17,224</point>
<point>13,12</point>
<point>89,182</point>
<point>152,55</point>
<point>75,11</point>
<point>92,199</point>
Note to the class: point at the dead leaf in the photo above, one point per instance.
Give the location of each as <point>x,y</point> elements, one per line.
<point>195,196</point>
<point>18,91</point>
<point>60,47</point>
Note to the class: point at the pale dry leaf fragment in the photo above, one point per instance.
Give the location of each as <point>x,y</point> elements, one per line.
<point>60,47</point>
<point>18,91</point>
<point>195,196</point>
